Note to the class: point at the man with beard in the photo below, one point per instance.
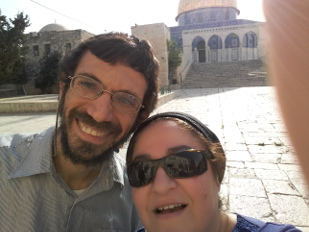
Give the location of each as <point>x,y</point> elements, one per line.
<point>69,177</point>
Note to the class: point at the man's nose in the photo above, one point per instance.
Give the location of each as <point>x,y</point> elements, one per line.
<point>101,109</point>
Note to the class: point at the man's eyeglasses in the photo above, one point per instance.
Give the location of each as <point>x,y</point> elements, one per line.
<point>92,89</point>
<point>184,164</point>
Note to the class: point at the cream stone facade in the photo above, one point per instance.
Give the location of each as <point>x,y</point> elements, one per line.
<point>209,31</point>
<point>207,54</point>
<point>157,34</point>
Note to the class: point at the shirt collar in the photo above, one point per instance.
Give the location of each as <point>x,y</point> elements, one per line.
<point>117,165</point>
<point>38,159</point>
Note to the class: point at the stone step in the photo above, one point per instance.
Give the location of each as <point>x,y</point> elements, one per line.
<point>232,74</point>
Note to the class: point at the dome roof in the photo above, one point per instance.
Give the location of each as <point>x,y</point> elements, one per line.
<point>53,27</point>
<point>189,5</point>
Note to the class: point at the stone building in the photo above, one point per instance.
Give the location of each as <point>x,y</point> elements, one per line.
<point>52,37</point>
<point>209,31</point>
<point>157,34</point>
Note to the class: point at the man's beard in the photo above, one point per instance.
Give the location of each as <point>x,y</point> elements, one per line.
<point>76,148</point>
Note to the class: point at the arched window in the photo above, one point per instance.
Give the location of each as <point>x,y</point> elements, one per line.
<point>198,45</point>
<point>215,42</point>
<point>249,40</point>
<point>198,41</point>
<point>232,41</point>
<point>201,45</point>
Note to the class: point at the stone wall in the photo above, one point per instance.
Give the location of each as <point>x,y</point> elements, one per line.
<point>157,34</point>
<point>227,74</point>
<point>38,43</point>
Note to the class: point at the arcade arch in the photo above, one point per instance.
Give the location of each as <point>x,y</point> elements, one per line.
<point>232,45</point>
<point>199,50</point>
<point>249,46</point>
<point>220,47</point>
<point>249,40</point>
<point>215,46</point>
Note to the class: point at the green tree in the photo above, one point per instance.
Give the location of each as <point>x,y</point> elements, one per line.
<point>174,58</point>
<point>48,72</point>
<point>13,49</point>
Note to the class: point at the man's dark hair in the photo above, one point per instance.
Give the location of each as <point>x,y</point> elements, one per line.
<point>118,48</point>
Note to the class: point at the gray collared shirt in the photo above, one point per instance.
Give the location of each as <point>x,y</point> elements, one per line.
<point>33,197</point>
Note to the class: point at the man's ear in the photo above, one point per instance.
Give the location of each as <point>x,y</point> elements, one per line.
<point>61,86</point>
<point>218,183</point>
<point>142,115</point>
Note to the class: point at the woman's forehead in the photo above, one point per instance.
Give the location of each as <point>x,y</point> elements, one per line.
<point>163,135</point>
<point>164,126</point>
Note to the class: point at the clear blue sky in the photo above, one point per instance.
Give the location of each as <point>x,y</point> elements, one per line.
<point>109,15</point>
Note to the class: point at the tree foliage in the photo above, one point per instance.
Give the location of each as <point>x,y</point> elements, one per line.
<point>48,72</point>
<point>13,48</point>
<point>174,57</point>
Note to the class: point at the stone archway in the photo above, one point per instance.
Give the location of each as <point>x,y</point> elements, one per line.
<point>199,50</point>
<point>249,46</point>
<point>232,45</point>
<point>215,45</point>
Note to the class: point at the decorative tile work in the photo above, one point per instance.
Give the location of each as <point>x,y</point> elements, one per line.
<point>232,41</point>
<point>234,54</point>
<point>215,42</point>
<point>197,41</point>
<point>176,32</point>
<point>205,15</point>
<point>214,56</point>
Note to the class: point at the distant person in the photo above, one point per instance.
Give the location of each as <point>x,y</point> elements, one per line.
<point>187,165</point>
<point>288,61</point>
<point>69,178</point>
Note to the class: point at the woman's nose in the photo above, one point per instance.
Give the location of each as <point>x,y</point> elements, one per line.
<point>162,182</point>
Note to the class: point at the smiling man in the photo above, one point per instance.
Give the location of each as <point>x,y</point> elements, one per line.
<point>69,177</point>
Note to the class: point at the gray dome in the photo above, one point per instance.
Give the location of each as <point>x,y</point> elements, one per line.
<point>53,27</point>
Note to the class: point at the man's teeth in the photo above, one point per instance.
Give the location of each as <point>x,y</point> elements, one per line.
<point>169,207</point>
<point>90,131</point>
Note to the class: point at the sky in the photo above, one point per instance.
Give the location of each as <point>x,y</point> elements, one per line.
<point>100,16</point>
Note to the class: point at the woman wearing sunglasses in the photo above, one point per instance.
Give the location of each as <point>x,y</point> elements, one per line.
<point>175,166</point>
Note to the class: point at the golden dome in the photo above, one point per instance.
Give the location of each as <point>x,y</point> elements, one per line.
<point>189,5</point>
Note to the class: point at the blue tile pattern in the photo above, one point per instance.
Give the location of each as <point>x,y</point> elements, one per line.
<point>215,42</point>
<point>176,32</point>
<point>232,41</point>
<point>205,15</point>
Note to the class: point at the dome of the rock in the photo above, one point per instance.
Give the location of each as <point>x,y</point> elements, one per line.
<point>191,5</point>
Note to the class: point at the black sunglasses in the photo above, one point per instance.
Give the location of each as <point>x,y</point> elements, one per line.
<point>184,164</point>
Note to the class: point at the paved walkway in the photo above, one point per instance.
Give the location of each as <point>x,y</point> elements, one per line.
<point>263,178</point>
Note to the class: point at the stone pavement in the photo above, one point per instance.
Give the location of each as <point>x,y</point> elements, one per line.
<point>263,178</point>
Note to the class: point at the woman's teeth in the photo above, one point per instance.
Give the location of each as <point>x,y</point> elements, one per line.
<point>170,208</point>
